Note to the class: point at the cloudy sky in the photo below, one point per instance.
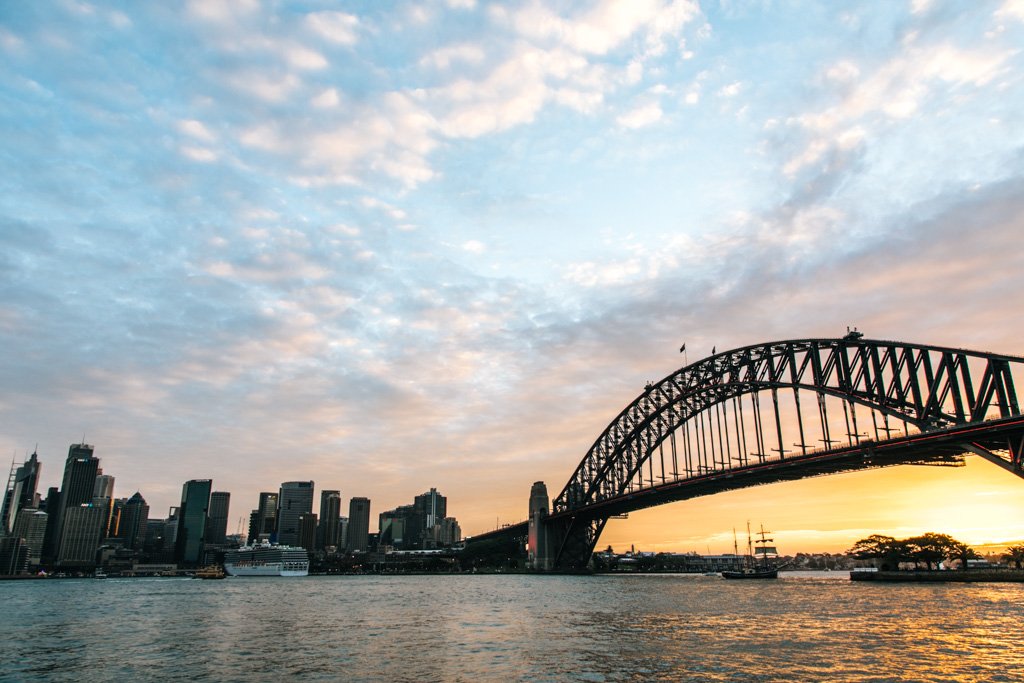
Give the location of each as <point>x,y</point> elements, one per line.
<point>403,245</point>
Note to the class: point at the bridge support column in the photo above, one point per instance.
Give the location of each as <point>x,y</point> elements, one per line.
<point>540,555</point>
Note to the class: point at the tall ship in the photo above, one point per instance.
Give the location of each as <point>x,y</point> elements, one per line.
<point>756,564</point>
<point>267,559</point>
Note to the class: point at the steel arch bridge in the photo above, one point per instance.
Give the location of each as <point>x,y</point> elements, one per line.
<point>788,410</point>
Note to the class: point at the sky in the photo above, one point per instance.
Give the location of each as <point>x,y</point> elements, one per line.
<point>393,246</point>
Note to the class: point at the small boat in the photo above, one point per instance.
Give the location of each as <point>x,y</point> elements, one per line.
<point>99,574</point>
<point>754,567</point>
<point>211,572</point>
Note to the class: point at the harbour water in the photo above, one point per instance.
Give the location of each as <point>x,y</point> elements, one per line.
<point>802,627</point>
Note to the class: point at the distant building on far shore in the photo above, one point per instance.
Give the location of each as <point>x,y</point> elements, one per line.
<point>358,525</point>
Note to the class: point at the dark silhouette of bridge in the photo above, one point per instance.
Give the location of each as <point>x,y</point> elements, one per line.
<point>782,411</point>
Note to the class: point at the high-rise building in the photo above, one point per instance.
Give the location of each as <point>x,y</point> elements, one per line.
<point>267,510</point>
<point>307,531</point>
<point>432,507</point>
<point>217,530</point>
<point>76,490</point>
<point>255,525</point>
<point>51,505</point>
<point>358,525</point>
<point>103,486</point>
<point>80,536</point>
<point>31,526</point>
<point>296,498</point>
<point>398,527</point>
<point>22,493</point>
<point>134,518</point>
<point>195,506</point>
<point>13,555</point>
<point>451,532</point>
<point>330,513</point>
<point>342,533</point>
<point>103,496</point>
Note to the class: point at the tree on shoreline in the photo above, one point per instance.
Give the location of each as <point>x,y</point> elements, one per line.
<point>880,547</point>
<point>929,549</point>
<point>1015,554</point>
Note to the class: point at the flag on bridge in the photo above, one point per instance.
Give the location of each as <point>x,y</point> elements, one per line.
<point>682,348</point>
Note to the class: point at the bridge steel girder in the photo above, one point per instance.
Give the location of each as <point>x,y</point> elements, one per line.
<point>932,388</point>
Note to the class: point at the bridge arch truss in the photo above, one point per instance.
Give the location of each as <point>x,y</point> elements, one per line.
<point>793,408</point>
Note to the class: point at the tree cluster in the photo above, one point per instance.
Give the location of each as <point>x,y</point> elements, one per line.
<point>929,550</point>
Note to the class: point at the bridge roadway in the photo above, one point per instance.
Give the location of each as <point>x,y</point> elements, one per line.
<point>944,447</point>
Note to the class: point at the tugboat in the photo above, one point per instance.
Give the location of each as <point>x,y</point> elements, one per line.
<point>753,567</point>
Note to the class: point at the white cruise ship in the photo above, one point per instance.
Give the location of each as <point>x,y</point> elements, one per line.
<point>266,559</point>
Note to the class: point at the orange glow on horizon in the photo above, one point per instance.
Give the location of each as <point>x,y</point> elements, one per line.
<point>979,504</point>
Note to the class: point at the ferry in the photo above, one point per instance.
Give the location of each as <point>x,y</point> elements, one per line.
<point>266,559</point>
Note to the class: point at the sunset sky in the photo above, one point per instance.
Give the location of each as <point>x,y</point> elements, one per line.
<point>442,244</point>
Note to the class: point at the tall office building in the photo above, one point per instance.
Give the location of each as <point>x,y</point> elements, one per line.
<point>432,507</point>
<point>296,498</point>
<point>103,486</point>
<point>358,525</point>
<point>267,513</point>
<point>398,527</point>
<point>133,521</point>
<point>80,536</point>
<point>195,506</point>
<point>330,513</point>
<point>22,492</point>
<point>307,531</point>
<point>51,505</point>
<point>217,529</point>
<point>31,526</point>
<point>77,489</point>
<point>103,496</point>
<point>342,533</point>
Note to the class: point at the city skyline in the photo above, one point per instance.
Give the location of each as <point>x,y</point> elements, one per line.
<point>446,243</point>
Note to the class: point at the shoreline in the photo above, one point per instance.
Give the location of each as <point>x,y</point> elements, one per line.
<point>947,576</point>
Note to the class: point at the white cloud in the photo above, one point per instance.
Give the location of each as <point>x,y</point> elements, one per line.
<point>337,27</point>
<point>1012,9</point>
<point>474,247</point>
<point>445,57</point>
<point>642,116</point>
<point>199,154</point>
<point>326,99</point>
<point>607,25</point>
<point>730,90</point>
<point>196,129</point>
<point>897,89</point>
<point>222,11</point>
<point>304,58</point>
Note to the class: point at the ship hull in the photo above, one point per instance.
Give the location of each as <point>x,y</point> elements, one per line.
<point>760,574</point>
<point>273,569</point>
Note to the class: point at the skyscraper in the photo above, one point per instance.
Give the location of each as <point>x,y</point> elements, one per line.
<point>31,526</point>
<point>76,490</point>
<point>22,493</point>
<point>330,513</point>
<point>80,536</point>
<point>134,518</point>
<point>358,524</point>
<point>267,513</point>
<point>307,531</point>
<point>195,506</point>
<point>432,506</point>
<point>217,530</point>
<point>103,496</point>
<point>296,498</point>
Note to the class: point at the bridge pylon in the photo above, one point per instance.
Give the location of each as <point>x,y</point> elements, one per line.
<point>539,546</point>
